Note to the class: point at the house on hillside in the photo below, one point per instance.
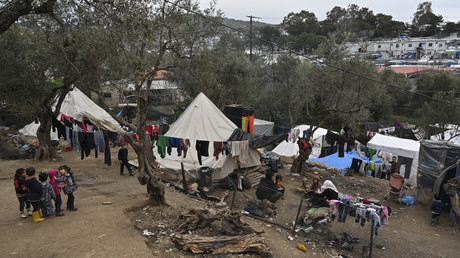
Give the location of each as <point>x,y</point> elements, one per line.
<point>163,100</point>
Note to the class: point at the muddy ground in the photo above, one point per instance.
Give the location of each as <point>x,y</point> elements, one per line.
<point>116,230</point>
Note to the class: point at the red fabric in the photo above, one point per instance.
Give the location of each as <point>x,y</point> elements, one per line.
<point>155,129</point>
<point>84,128</point>
<point>149,129</point>
<point>250,123</point>
<point>68,149</point>
<point>365,201</point>
<point>217,149</point>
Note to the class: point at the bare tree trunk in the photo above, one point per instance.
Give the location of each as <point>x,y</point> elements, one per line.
<point>45,149</point>
<point>148,175</point>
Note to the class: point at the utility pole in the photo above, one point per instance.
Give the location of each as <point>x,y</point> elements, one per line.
<point>250,35</point>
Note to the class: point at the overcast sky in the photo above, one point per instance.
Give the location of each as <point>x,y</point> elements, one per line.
<point>273,11</point>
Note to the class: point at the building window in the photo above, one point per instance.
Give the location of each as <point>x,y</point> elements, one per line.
<point>397,45</point>
<point>430,44</point>
<point>429,53</point>
<point>440,45</point>
<point>107,95</point>
<point>410,45</point>
<point>379,46</point>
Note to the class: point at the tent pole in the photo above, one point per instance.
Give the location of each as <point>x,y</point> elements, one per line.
<point>297,217</point>
<point>372,237</point>
<point>184,182</point>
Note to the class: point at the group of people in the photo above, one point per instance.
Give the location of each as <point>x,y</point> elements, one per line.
<point>40,193</point>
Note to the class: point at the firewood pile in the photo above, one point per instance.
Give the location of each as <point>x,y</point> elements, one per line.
<point>218,232</point>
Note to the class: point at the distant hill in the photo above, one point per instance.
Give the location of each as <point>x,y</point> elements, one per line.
<point>244,25</point>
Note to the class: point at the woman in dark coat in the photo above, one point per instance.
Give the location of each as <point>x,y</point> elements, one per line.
<point>267,189</point>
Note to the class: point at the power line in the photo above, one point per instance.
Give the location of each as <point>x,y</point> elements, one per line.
<point>314,59</point>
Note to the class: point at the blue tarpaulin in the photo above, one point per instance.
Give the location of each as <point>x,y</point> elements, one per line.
<point>333,160</point>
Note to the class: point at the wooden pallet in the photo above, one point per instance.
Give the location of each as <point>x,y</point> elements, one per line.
<point>254,177</point>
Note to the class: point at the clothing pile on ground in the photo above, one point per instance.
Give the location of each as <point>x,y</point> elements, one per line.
<point>264,208</point>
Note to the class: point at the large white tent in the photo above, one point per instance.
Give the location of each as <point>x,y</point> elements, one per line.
<point>202,120</point>
<point>290,148</point>
<point>79,106</point>
<point>401,148</point>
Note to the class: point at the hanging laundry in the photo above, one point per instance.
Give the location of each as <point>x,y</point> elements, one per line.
<point>355,164</point>
<point>243,124</point>
<point>76,142</point>
<point>251,123</point>
<point>341,143</point>
<point>235,148</point>
<point>86,143</point>
<point>174,143</point>
<point>371,152</point>
<point>67,135</point>
<point>89,128</point>
<point>162,144</point>
<point>407,162</point>
<point>107,157</point>
<point>202,148</point>
<point>217,149</point>
<point>363,167</point>
<point>226,148</point>
<point>99,140</point>
<point>244,152</point>
<point>184,144</point>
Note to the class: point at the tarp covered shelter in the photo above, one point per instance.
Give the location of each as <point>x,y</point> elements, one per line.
<point>77,105</point>
<point>289,148</point>
<point>263,127</point>
<point>438,162</point>
<point>203,121</point>
<point>256,141</point>
<point>407,152</point>
<point>337,162</point>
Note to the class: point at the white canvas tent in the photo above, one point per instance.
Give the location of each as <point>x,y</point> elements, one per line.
<point>263,127</point>
<point>402,149</point>
<point>290,148</point>
<point>202,120</point>
<point>31,130</point>
<point>79,106</point>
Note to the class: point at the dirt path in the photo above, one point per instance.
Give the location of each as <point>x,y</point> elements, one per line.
<point>94,230</point>
<point>109,231</point>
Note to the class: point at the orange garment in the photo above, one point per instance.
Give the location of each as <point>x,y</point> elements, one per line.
<point>251,124</point>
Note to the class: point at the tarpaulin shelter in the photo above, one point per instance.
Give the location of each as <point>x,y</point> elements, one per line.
<point>337,162</point>
<point>289,148</point>
<point>407,152</point>
<point>438,162</point>
<point>203,121</point>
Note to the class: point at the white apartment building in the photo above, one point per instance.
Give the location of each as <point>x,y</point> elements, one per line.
<point>398,47</point>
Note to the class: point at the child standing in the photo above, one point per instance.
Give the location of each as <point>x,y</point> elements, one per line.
<point>21,192</point>
<point>34,193</point>
<point>70,185</point>
<point>47,194</point>
<point>123,158</point>
<point>57,191</point>
<point>436,209</point>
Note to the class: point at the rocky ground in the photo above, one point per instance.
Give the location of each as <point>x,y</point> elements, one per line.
<point>117,230</point>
